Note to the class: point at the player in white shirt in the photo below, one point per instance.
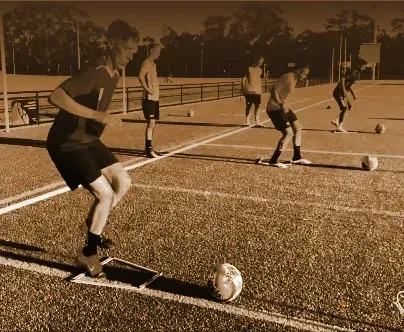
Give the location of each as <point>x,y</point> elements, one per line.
<point>252,89</point>
<point>283,117</point>
<point>150,97</point>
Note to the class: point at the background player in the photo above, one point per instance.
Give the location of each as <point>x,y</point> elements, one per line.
<point>340,94</point>
<point>282,116</point>
<point>252,89</point>
<point>150,98</point>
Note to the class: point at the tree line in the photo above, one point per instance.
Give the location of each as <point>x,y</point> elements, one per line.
<point>41,38</point>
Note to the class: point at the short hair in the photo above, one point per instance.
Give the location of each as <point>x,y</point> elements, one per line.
<point>119,29</point>
<point>154,45</point>
<point>303,65</point>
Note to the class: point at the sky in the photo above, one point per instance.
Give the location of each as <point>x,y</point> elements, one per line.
<point>187,16</point>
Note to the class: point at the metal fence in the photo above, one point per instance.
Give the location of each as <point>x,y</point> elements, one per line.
<point>33,107</point>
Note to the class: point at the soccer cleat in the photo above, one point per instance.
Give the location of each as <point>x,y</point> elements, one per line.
<point>153,154</point>
<point>301,161</point>
<point>270,162</point>
<point>340,129</point>
<point>92,264</point>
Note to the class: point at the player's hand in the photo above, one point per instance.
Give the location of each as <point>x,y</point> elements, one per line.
<point>110,120</point>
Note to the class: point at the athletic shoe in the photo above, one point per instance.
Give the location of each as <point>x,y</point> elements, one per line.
<point>92,264</point>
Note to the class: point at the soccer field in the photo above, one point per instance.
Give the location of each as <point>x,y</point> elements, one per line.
<point>319,246</point>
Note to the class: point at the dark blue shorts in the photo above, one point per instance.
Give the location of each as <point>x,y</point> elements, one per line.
<point>82,166</point>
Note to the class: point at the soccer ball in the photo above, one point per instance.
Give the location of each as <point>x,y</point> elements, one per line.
<point>380,129</point>
<point>191,113</point>
<point>369,163</point>
<point>225,282</point>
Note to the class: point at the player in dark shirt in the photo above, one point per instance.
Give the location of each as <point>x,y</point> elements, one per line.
<point>74,142</point>
<point>340,94</point>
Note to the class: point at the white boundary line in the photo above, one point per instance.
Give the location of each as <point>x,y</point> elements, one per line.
<point>11,199</point>
<point>240,311</point>
<point>149,161</point>
<point>258,199</point>
<point>309,151</point>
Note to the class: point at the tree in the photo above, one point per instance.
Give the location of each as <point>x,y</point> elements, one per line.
<point>44,37</point>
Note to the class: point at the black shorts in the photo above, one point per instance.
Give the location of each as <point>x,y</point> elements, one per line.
<point>151,109</point>
<point>282,120</point>
<point>253,99</point>
<point>340,100</point>
<point>82,166</point>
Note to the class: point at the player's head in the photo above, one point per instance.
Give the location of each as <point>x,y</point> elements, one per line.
<point>302,70</point>
<point>154,51</point>
<point>258,60</point>
<point>122,43</point>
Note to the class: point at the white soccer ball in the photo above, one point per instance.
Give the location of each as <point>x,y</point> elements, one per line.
<point>225,282</point>
<point>380,129</point>
<point>191,113</point>
<point>369,163</point>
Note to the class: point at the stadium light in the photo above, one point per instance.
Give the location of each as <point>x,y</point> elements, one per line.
<point>4,72</point>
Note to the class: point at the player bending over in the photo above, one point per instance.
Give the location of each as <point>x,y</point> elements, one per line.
<point>340,94</point>
<point>74,144</point>
<point>283,117</point>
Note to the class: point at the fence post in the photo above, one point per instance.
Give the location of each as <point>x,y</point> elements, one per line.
<point>181,94</point>
<point>127,99</point>
<point>37,107</point>
<point>201,92</point>
<point>218,90</point>
<point>232,90</point>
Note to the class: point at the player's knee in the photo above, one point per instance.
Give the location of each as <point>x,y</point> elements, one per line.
<point>105,195</point>
<point>124,182</point>
<point>288,134</point>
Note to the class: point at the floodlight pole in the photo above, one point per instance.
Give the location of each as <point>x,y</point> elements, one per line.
<point>374,41</point>
<point>78,39</point>
<point>340,56</point>
<point>3,68</point>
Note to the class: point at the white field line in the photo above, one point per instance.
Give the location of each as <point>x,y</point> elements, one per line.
<point>29,193</point>
<point>257,199</point>
<point>45,196</point>
<point>271,317</point>
<point>235,146</point>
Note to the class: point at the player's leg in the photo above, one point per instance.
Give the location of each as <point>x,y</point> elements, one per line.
<point>104,196</point>
<point>281,124</point>
<point>117,177</point>
<point>150,111</point>
<point>257,104</point>
<point>248,105</point>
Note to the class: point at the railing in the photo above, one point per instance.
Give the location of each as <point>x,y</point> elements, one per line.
<point>33,107</point>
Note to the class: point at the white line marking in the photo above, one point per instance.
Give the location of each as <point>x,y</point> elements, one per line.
<point>257,199</point>
<point>309,151</point>
<point>32,192</point>
<point>271,317</point>
<point>11,199</point>
<point>153,160</point>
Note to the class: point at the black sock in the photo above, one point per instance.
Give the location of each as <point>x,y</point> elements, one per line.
<point>276,155</point>
<point>148,144</point>
<point>296,154</point>
<point>91,248</point>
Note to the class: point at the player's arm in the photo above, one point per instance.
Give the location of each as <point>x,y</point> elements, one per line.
<point>142,79</point>
<point>82,83</point>
<point>351,91</point>
<point>344,92</point>
<point>62,100</point>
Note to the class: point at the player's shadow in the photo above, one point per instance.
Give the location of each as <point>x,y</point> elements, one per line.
<point>183,123</point>
<point>172,286</point>
<point>394,119</point>
<point>20,246</point>
<point>363,324</point>
<point>333,131</point>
